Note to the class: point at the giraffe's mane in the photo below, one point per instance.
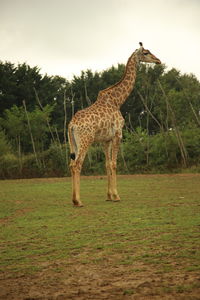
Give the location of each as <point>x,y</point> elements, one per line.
<point>117,83</point>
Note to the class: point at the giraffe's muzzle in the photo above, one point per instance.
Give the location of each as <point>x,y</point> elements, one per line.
<point>158,62</point>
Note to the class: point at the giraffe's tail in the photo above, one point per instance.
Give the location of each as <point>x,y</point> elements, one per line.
<point>73,141</point>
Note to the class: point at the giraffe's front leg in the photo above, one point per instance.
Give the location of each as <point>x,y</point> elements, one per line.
<point>115,149</point>
<point>107,150</point>
<point>115,195</point>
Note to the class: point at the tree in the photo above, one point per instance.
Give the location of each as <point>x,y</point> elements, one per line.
<point>39,120</point>
<point>13,124</point>
<point>7,86</point>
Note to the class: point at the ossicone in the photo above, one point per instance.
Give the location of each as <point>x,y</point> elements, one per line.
<point>140,49</point>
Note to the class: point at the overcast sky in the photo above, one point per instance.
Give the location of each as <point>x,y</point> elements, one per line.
<point>63,37</point>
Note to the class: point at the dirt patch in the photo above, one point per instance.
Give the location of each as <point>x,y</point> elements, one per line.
<point>17,213</point>
<point>89,281</point>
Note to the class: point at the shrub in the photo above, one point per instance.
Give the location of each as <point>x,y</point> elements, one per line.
<point>191,138</point>
<point>5,146</point>
<point>94,161</point>
<point>9,166</point>
<point>56,160</point>
<point>164,150</point>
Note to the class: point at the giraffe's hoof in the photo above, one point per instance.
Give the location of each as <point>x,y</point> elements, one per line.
<point>113,200</point>
<point>78,205</point>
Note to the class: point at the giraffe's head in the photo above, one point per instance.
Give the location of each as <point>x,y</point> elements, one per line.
<point>145,55</point>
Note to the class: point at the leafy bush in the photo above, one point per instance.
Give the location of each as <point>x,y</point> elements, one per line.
<point>163,150</point>
<point>140,153</point>
<point>9,166</point>
<point>135,151</point>
<point>94,161</point>
<point>158,153</point>
<point>5,146</point>
<point>191,138</point>
<point>56,160</point>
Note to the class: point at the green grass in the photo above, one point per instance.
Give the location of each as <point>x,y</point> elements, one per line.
<point>156,223</point>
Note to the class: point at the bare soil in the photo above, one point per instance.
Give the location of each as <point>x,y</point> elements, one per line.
<point>80,281</point>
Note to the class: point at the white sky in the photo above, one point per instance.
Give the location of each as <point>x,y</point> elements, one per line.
<point>63,37</point>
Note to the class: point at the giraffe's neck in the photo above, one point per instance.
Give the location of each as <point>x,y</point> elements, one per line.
<point>118,93</point>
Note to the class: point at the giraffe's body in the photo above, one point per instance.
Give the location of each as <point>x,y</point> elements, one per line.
<point>102,122</point>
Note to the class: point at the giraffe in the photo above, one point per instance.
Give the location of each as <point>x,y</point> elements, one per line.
<point>103,122</point>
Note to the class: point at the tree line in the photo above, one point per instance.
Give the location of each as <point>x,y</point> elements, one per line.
<point>162,120</point>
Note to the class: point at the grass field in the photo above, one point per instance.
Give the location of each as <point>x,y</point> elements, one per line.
<point>145,247</point>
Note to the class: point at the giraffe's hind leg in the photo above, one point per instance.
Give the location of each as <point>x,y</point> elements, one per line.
<point>107,150</point>
<point>75,167</point>
<point>75,172</point>
<point>111,149</point>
